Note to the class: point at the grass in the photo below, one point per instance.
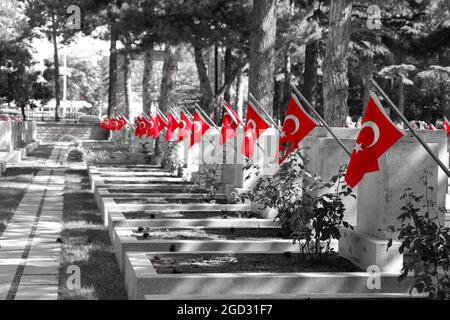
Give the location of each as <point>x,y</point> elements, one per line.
<point>13,185</point>
<point>85,243</point>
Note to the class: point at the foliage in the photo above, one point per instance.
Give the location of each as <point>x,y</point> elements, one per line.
<point>425,243</point>
<point>169,162</point>
<point>75,153</point>
<point>309,210</point>
<point>146,151</point>
<point>208,180</point>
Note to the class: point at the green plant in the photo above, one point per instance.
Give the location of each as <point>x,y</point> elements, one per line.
<point>207,180</point>
<point>425,243</point>
<point>75,153</point>
<point>170,162</point>
<point>146,151</point>
<point>307,211</point>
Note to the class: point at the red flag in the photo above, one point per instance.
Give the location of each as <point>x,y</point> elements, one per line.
<point>199,127</point>
<point>172,125</point>
<point>255,125</point>
<point>121,123</point>
<point>184,128</point>
<point>150,127</point>
<point>297,125</point>
<point>160,125</point>
<point>446,127</point>
<point>113,124</point>
<point>230,122</point>
<point>137,124</point>
<point>378,133</point>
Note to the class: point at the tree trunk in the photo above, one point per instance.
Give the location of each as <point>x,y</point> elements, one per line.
<point>368,70</point>
<point>285,88</point>
<point>126,81</point>
<point>228,70</point>
<point>262,53</point>
<point>443,87</point>
<point>168,97</point>
<point>335,65</point>
<point>401,97</point>
<point>24,115</point>
<point>310,73</point>
<point>56,72</point>
<point>112,99</point>
<point>147,81</point>
<point>205,85</point>
<point>311,65</point>
<point>239,100</point>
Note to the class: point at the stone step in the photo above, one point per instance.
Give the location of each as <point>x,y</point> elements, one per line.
<point>162,196</point>
<point>287,296</point>
<point>204,223</point>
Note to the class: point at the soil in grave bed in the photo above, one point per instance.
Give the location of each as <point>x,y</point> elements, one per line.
<point>153,181</point>
<point>256,263</point>
<point>190,215</point>
<point>169,201</point>
<point>158,190</point>
<point>209,234</point>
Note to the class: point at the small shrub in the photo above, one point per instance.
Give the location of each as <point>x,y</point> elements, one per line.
<point>425,243</point>
<point>207,180</point>
<point>307,217</point>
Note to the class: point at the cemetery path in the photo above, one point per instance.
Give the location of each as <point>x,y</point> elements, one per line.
<point>30,250</point>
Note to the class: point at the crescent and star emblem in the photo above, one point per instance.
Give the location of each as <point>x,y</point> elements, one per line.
<point>183,124</point>
<point>376,135</point>
<point>197,127</point>
<point>296,122</point>
<point>250,129</point>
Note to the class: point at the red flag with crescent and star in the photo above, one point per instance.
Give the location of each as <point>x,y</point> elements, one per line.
<point>199,127</point>
<point>297,125</point>
<point>446,126</point>
<point>184,128</point>
<point>122,123</point>
<point>150,127</point>
<point>172,125</point>
<point>255,125</point>
<point>377,134</point>
<point>230,122</point>
<point>137,126</point>
<point>160,124</point>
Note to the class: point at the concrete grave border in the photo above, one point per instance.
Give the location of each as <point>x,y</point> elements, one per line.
<point>142,281</point>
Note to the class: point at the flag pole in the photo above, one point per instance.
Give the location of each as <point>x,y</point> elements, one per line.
<point>265,112</point>
<point>403,118</point>
<point>207,117</point>
<point>187,112</point>
<point>126,120</point>
<point>162,115</point>
<point>298,94</point>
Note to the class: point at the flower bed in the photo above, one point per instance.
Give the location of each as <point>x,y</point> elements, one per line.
<point>144,234</point>
<point>244,262</point>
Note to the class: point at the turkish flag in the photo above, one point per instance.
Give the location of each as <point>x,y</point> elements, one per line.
<point>113,124</point>
<point>121,123</point>
<point>184,127</point>
<point>199,127</point>
<point>160,125</point>
<point>230,122</point>
<point>150,127</point>
<point>104,124</point>
<point>137,126</point>
<point>297,125</point>
<point>255,125</point>
<point>446,126</point>
<point>172,125</point>
<point>378,133</point>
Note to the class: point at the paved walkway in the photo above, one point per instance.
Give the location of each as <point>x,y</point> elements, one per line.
<point>30,252</point>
